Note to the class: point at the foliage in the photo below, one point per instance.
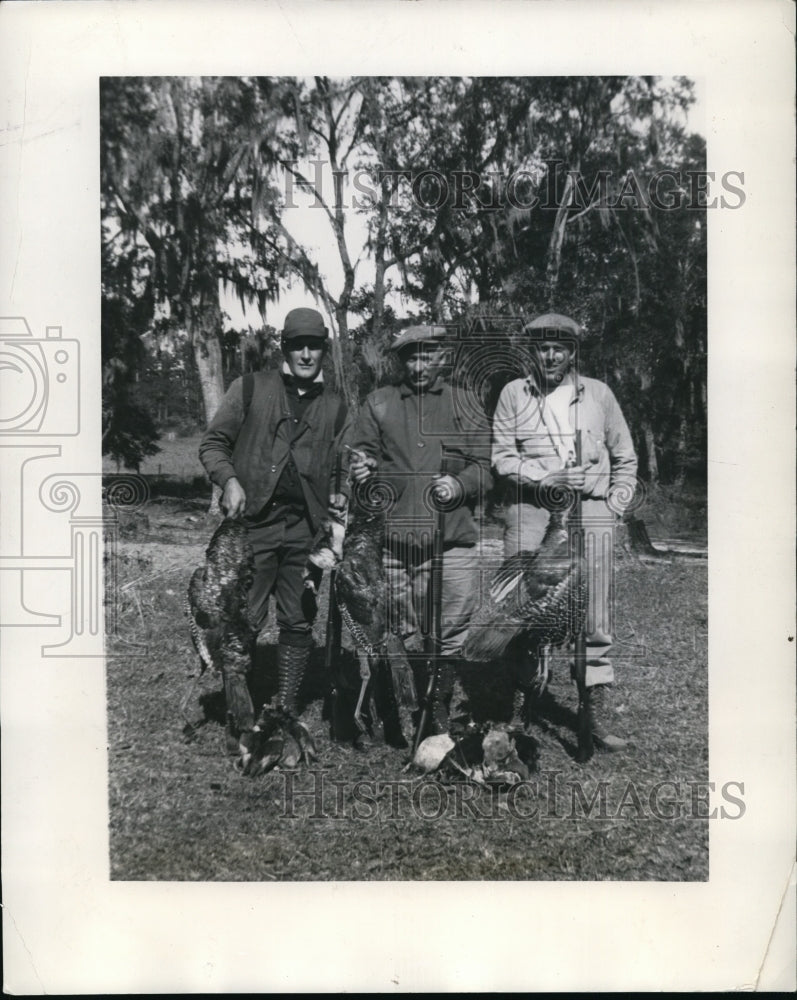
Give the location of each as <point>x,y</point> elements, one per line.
<point>128,432</point>
<point>494,198</point>
<point>583,151</point>
<point>182,170</point>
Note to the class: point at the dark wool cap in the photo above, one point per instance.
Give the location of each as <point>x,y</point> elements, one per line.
<point>553,325</point>
<point>304,323</point>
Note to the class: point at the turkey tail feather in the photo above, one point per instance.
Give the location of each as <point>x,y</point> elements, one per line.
<point>486,642</point>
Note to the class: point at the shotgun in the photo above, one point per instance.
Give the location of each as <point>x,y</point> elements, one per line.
<point>333,637</point>
<point>435,633</point>
<point>585,747</point>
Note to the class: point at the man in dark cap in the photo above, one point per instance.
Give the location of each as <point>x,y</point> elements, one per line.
<point>271,449</point>
<point>534,451</point>
<point>399,438</point>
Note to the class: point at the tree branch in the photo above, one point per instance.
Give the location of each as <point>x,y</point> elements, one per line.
<point>298,176</point>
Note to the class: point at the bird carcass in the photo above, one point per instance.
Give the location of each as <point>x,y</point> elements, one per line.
<point>539,596</point>
<point>277,739</point>
<point>218,618</point>
<point>494,756</point>
<point>361,593</point>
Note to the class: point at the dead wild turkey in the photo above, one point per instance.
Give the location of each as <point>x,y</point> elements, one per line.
<point>537,596</point>
<point>361,589</point>
<point>218,618</point>
<point>217,606</point>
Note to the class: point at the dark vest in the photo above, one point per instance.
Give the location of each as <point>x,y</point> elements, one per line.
<point>267,438</point>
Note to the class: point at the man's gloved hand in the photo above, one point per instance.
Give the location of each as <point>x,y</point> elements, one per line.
<point>572,477</point>
<point>311,577</point>
<point>447,490</point>
<point>338,505</point>
<point>233,498</point>
<point>361,466</point>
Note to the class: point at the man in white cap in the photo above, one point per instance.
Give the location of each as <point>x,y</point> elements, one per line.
<point>534,451</point>
<point>399,437</point>
<point>271,448</point>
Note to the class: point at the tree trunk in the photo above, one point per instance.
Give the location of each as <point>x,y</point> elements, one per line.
<point>437,302</point>
<point>343,374</point>
<point>380,264</point>
<point>556,241</point>
<point>207,354</point>
<point>680,452</point>
<point>650,447</point>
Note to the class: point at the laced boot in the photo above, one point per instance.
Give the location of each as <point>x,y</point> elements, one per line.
<point>292,663</point>
<point>261,672</point>
<point>598,709</point>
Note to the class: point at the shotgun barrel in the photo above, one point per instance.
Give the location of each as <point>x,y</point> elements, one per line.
<point>436,631</point>
<point>333,636</point>
<point>585,743</point>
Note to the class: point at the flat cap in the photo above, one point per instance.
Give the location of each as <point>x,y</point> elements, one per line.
<point>418,335</point>
<point>304,322</point>
<point>555,324</point>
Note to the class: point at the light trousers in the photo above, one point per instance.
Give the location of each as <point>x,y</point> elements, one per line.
<point>408,573</point>
<point>524,530</point>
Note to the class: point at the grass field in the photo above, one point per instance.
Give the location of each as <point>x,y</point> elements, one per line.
<point>180,811</point>
<point>177,458</point>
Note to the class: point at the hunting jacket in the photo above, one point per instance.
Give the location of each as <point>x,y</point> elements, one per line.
<point>525,439</point>
<point>255,446</point>
<point>405,431</point>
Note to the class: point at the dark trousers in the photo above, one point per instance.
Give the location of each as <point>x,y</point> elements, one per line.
<point>281,540</point>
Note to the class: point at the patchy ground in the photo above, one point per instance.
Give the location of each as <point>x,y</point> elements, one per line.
<point>180,811</point>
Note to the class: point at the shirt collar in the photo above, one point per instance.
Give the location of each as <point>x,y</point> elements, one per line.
<point>292,383</point>
<point>435,390</point>
<point>533,389</point>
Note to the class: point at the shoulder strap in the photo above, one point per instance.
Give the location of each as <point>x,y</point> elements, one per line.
<point>248,389</point>
<point>340,417</point>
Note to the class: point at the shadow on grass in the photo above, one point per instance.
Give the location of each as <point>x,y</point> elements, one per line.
<point>487,695</point>
<point>337,695</point>
<point>492,695</point>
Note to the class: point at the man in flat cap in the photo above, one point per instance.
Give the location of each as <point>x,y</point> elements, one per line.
<point>534,450</point>
<point>399,438</point>
<point>271,449</point>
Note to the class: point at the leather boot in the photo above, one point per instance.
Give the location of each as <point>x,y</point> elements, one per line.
<point>387,706</point>
<point>524,665</point>
<point>598,708</point>
<point>261,675</point>
<point>291,666</point>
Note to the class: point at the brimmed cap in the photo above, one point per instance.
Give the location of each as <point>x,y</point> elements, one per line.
<point>304,323</point>
<point>554,324</point>
<point>418,335</point>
